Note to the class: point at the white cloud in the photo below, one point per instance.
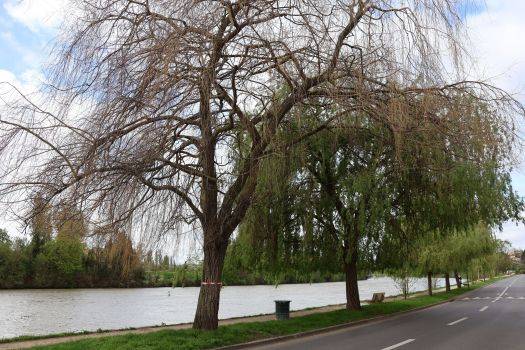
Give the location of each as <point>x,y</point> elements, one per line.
<point>38,14</point>
<point>496,35</point>
<point>7,76</point>
<point>27,82</point>
<point>514,234</point>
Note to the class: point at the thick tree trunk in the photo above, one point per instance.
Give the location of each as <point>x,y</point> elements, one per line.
<point>458,281</point>
<point>207,314</point>
<point>447,282</point>
<point>429,281</point>
<point>352,288</point>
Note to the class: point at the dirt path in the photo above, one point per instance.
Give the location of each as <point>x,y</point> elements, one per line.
<point>50,341</point>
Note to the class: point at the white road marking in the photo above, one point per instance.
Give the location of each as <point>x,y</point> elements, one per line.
<point>399,344</point>
<point>505,290</point>
<point>499,296</point>
<point>457,321</point>
<point>483,308</point>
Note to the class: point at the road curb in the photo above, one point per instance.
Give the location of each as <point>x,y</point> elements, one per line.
<point>273,340</point>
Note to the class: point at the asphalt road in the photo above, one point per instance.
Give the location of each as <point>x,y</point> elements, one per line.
<point>492,318</point>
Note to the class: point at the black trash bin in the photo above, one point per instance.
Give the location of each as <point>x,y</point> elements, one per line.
<point>282,309</point>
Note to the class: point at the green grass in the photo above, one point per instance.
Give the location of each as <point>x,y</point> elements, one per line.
<point>243,332</point>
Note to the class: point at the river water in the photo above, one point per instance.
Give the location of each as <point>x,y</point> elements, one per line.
<point>41,312</point>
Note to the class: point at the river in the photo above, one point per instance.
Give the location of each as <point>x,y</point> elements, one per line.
<point>48,311</point>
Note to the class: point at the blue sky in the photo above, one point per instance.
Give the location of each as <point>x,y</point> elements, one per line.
<point>28,28</point>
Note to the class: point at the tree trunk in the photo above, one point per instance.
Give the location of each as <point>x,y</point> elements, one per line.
<point>458,282</point>
<point>207,314</point>
<point>352,288</point>
<point>447,282</point>
<point>429,280</point>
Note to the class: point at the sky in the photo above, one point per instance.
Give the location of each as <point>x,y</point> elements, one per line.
<point>28,29</point>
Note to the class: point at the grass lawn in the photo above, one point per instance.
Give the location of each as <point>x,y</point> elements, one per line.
<point>243,332</point>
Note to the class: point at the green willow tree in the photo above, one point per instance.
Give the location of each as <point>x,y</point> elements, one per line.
<point>269,241</point>
<point>473,251</point>
<point>444,234</point>
<point>449,184</point>
<point>347,176</point>
<point>465,250</point>
<point>456,251</point>
<point>359,183</point>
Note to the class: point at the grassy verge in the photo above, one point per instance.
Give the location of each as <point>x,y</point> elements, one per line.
<point>243,332</point>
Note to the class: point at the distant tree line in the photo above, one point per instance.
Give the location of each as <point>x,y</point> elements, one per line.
<point>60,254</point>
<point>59,261</point>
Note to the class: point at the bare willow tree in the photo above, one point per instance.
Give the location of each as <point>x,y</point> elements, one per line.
<point>158,113</point>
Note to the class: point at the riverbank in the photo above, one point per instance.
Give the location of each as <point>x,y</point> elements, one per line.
<point>59,311</point>
<point>238,330</point>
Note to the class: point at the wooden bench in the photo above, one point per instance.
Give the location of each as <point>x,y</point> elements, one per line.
<point>378,297</point>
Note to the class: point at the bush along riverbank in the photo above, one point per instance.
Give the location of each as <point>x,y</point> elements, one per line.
<point>183,339</point>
